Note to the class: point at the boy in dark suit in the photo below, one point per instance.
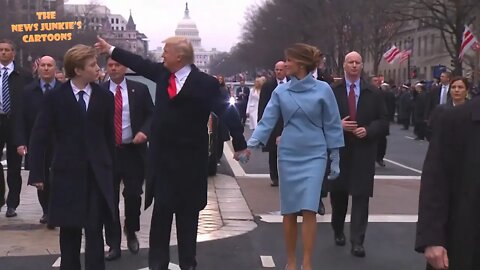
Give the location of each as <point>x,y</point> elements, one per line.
<point>79,115</point>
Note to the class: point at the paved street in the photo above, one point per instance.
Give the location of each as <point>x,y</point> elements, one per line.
<point>241,224</point>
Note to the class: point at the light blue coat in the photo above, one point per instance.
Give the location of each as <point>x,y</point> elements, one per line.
<point>312,125</point>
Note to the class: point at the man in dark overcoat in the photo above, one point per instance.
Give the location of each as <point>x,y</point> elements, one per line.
<point>448,220</point>
<point>364,120</point>
<point>265,95</point>
<point>178,150</point>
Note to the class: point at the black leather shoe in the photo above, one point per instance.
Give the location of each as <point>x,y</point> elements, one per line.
<point>321,208</point>
<point>274,184</point>
<point>113,254</point>
<point>340,239</point>
<point>132,242</point>
<point>10,212</point>
<point>43,219</point>
<point>358,250</point>
<point>50,227</point>
<point>381,163</point>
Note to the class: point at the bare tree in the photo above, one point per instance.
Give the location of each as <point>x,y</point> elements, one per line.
<point>448,16</point>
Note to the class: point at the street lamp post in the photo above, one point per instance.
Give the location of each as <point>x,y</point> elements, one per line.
<point>409,45</point>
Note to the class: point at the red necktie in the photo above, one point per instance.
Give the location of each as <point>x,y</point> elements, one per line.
<point>118,115</point>
<point>172,86</point>
<point>352,103</point>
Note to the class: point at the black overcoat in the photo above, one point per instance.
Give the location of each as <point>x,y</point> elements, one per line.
<point>178,145</point>
<point>450,188</point>
<point>81,140</point>
<point>357,158</point>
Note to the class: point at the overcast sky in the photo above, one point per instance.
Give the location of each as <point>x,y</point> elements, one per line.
<point>218,21</point>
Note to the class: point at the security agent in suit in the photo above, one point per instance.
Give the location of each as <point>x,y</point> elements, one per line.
<point>265,94</point>
<point>242,93</point>
<point>364,120</point>
<point>13,80</point>
<point>438,95</point>
<point>133,117</point>
<point>79,115</point>
<point>32,100</point>
<point>178,145</point>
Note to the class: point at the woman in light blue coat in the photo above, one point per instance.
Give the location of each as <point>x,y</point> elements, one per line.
<point>312,126</point>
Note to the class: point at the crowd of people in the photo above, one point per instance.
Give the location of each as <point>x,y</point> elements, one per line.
<point>83,136</point>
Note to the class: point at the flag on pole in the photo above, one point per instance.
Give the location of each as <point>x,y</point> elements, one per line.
<point>391,55</point>
<point>468,41</point>
<point>405,54</point>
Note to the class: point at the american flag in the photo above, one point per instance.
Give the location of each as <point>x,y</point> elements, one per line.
<point>405,54</point>
<point>391,55</point>
<point>468,41</point>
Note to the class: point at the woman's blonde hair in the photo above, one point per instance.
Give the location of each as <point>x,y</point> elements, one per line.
<point>305,55</point>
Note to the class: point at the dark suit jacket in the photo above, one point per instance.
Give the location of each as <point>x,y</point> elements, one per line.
<point>265,95</point>
<point>141,110</point>
<point>178,149</point>
<point>450,190</point>
<point>31,103</point>
<point>246,92</point>
<point>17,81</point>
<point>81,141</point>
<point>433,100</point>
<point>357,158</point>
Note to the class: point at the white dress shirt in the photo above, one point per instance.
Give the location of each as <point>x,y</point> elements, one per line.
<point>127,134</point>
<point>10,68</point>
<point>443,94</point>
<point>181,76</point>
<point>86,96</point>
<point>283,81</point>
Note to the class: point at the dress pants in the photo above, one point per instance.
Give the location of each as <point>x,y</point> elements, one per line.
<point>381,148</point>
<point>14,163</point>
<point>161,226</point>
<point>273,165</point>
<point>44,195</point>
<point>130,169</point>
<point>359,214</point>
<point>71,238</point>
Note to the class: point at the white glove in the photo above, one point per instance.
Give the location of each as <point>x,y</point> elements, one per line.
<point>334,165</point>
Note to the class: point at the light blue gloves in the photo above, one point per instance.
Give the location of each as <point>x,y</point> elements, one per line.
<point>334,165</point>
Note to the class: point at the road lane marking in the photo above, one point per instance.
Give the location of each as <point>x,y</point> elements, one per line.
<point>403,166</point>
<point>235,165</point>
<point>267,261</point>
<point>376,177</point>
<point>56,264</point>
<point>171,266</point>
<point>238,171</point>
<point>327,218</point>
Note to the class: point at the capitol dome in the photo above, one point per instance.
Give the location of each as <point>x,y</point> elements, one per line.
<point>188,28</point>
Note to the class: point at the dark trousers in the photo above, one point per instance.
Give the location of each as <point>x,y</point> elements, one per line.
<point>420,129</point>
<point>381,148</point>
<point>130,169</point>
<point>14,163</point>
<point>44,195</point>
<point>405,122</point>
<point>161,226</point>
<point>359,214</point>
<point>71,238</point>
<point>272,164</point>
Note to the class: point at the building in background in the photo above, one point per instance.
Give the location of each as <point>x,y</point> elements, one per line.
<point>114,28</point>
<point>187,28</point>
